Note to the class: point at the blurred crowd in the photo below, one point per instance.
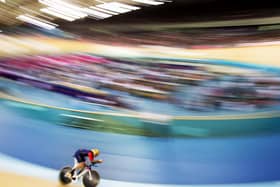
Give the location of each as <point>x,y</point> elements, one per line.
<point>183,37</point>
<point>186,85</point>
<point>238,92</point>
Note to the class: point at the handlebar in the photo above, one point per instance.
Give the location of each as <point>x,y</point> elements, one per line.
<point>92,164</point>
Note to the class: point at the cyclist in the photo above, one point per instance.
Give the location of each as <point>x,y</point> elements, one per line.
<point>82,156</point>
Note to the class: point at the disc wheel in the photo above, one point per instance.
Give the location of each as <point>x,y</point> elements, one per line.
<point>91,181</point>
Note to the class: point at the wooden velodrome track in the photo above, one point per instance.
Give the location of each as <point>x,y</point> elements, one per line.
<point>14,180</point>
<point>260,54</point>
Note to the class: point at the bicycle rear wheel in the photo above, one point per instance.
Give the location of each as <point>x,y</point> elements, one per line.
<point>62,178</point>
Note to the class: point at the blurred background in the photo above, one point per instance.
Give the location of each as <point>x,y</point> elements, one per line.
<point>173,92</point>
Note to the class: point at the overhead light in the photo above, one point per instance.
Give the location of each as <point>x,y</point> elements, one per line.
<point>65,8</point>
<point>31,20</point>
<point>61,7</point>
<point>166,1</point>
<point>117,7</point>
<point>103,10</point>
<point>3,1</point>
<point>57,14</point>
<point>42,20</point>
<point>55,3</point>
<point>96,14</point>
<point>68,12</point>
<point>71,12</point>
<point>149,2</point>
<point>99,1</point>
<point>130,7</point>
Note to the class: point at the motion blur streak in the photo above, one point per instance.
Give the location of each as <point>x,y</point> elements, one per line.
<point>173,93</point>
<point>16,166</point>
<point>221,160</point>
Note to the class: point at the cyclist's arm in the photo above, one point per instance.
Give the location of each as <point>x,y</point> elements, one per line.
<point>91,158</point>
<point>97,161</point>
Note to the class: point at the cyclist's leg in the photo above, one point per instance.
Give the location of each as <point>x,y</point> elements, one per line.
<point>73,172</point>
<point>79,164</point>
